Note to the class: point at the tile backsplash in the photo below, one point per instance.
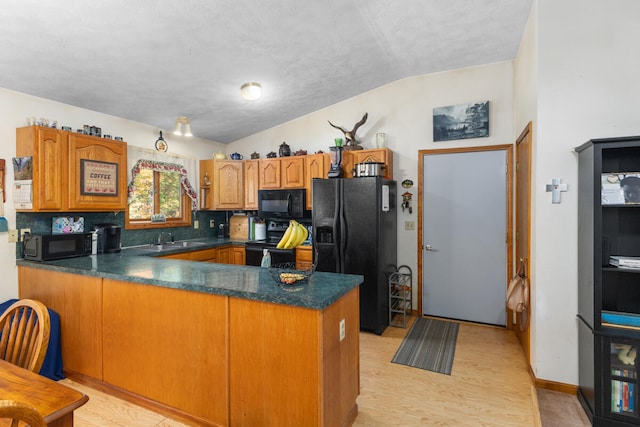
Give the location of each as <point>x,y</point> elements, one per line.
<point>40,223</point>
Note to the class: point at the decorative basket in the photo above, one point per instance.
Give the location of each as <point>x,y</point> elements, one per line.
<point>292,274</point>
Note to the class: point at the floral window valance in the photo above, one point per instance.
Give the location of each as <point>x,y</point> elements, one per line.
<point>158,166</point>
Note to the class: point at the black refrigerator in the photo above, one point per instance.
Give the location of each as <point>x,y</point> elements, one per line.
<point>355,232</point>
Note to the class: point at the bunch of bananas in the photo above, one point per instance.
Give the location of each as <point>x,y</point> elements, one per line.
<point>295,234</point>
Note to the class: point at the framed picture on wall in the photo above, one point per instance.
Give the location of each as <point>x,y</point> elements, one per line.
<point>461,121</point>
<point>98,178</point>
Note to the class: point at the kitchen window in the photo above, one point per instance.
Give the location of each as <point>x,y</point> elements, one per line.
<point>160,196</point>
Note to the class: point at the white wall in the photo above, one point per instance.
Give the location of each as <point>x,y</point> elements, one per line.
<point>403,110</point>
<point>588,87</point>
<point>526,110</point>
<point>16,107</point>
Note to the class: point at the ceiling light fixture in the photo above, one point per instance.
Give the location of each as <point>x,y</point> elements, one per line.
<point>183,126</point>
<point>251,91</point>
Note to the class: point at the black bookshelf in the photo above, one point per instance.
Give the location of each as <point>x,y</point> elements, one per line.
<point>608,296</point>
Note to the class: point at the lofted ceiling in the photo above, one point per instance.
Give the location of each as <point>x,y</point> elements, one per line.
<point>151,61</point>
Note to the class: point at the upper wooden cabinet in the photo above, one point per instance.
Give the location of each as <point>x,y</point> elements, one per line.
<point>292,169</point>
<point>103,158</point>
<point>251,184</point>
<point>283,172</point>
<point>316,166</point>
<point>206,176</point>
<point>269,174</point>
<point>352,157</point>
<point>60,162</point>
<point>228,184</point>
<point>49,149</point>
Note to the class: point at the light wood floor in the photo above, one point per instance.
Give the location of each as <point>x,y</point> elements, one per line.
<point>489,385</point>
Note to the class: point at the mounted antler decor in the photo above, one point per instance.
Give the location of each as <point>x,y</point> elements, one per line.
<point>350,136</point>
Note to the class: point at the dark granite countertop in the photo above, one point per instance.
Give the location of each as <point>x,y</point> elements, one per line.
<point>255,283</point>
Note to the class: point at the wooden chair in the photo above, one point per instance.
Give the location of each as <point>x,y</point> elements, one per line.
<point>16,412</point>
<point>24,334</point>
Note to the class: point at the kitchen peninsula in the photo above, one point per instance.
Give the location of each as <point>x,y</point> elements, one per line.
<point>210,344</point>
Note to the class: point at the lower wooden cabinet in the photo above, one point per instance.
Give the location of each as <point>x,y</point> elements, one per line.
<point>304,256</point>
<point>168,345</point>
<point>207,255</point>
<point>238,255</point>
<point>78,302</point>
<point>222,255</point>
<point>212,360</point>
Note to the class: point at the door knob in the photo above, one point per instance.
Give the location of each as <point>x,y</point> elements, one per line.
<point>430,248</point>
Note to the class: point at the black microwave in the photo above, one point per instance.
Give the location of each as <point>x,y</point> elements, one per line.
<point>46,247</point>
<point>281,203</point>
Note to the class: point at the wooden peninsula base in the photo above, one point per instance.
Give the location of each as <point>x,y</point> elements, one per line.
<point>204,358</point>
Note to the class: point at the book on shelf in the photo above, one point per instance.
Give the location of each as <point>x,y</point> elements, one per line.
<point>619,318</point>
<point>625,261</point>
<point>622,397</point>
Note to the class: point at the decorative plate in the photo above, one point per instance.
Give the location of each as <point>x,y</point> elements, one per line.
<point>161,145</point>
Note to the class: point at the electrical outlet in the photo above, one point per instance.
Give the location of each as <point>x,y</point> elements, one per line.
<point>409,225</point>
<point>212,223</point>
<point>196,224</point>
<point>13,236</point>
<point>23,232</point>
<point>343,329</point>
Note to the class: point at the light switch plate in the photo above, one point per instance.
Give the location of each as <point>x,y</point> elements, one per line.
<point>13,236</point>
<point>409,225</point>
<point>212,223</point>
<point>196,224</point>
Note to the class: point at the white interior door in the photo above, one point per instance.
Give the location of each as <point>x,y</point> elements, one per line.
<point>464,236</point>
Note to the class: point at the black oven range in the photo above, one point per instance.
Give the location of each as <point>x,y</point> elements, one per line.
<point>275,230</point>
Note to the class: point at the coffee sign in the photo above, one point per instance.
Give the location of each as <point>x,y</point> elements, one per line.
<point>98,178</point>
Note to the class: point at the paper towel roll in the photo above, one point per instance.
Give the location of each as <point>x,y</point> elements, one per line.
<point>261,231</point>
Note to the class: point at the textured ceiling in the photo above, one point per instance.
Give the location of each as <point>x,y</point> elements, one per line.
<point>151,61</point>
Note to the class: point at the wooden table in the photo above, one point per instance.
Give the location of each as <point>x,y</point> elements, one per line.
<point>54,401</point>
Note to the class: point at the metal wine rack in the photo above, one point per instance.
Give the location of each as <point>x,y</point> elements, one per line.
<point>400,289</point>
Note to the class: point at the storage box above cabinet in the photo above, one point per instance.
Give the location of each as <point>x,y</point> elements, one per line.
<point>73,172</point>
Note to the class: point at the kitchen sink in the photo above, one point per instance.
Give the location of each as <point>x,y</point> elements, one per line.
<point>170,245</point>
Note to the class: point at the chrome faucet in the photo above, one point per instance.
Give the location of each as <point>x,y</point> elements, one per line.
<point>160,239</point>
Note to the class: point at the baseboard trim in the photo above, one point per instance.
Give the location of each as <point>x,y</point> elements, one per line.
<point>136,399</point>
<point>556,386</point>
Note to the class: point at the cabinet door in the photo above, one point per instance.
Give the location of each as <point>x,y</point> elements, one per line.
<point>347,164</point>
<point>270,174</point>
<point>97,174</point>
<point>304,257</point>
<point>237,255</point>
<point>292,169</point>
<point>49,149</point>
<point>206,185</point>
<point>251,184</point>
<point>224,255</point>
<point>228,185</point>
<point>208,255</point>
<point>382,155</point>
<point>315,166</point>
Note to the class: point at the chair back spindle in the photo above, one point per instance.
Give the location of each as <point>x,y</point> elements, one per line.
<point>24,334</point>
